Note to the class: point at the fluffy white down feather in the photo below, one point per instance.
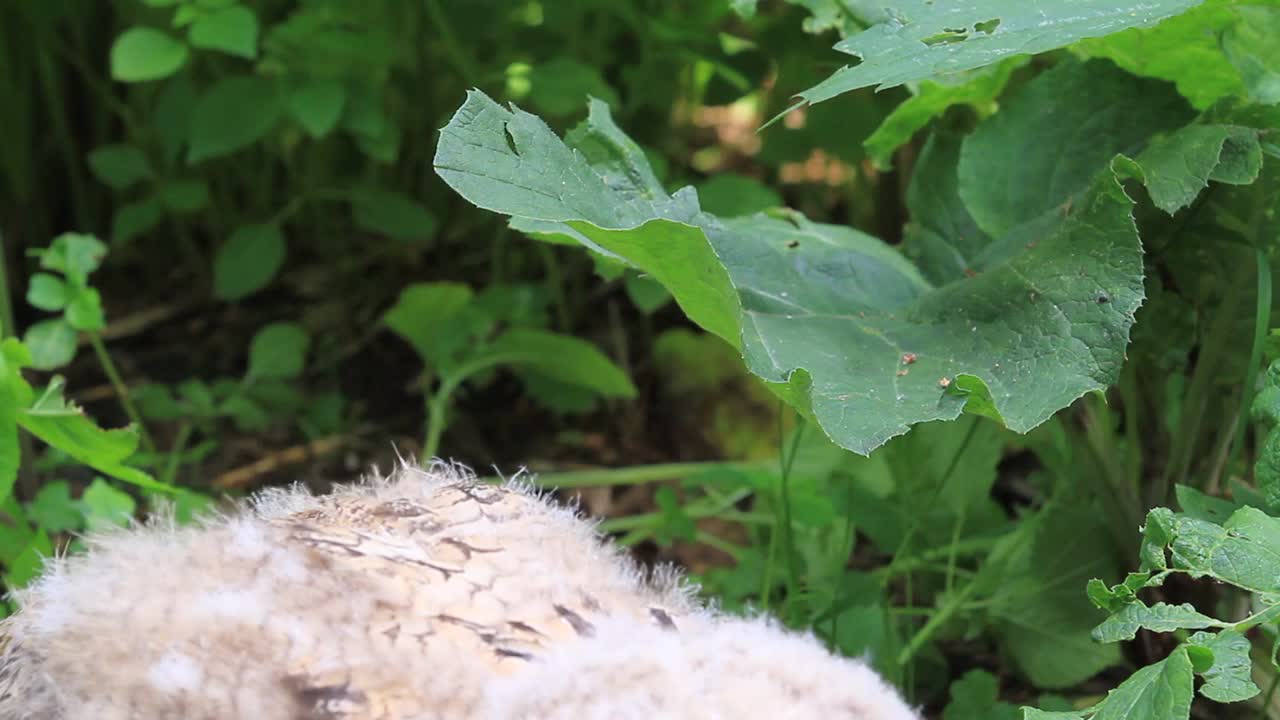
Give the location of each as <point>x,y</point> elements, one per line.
<point>423,595</point>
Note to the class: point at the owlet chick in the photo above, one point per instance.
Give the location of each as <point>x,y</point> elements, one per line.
<point>423,595</point>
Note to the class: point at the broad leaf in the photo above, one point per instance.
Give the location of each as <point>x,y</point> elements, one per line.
<point>730,195</point>
<point>233,30</point>
<point>248,261</point>
<point>74,255</point>
<point>120,166</point>
<point>1242,552</point>
<point>561,86</point>
<point>235,112</point>
<point>134,219</point>
<point>978,88</point>
<point>1230,678</point>
<point>1250,44</point>
<point>879,347</point>
<point>1046,144</point>
<point>423,316</point>
<point>1186,50</point>
<point>52,343</point>
<point>1040,613</point>
<point>47,292</point>
<point>317,106</point>
<point>278,351</point>
<point>563,358</point>
<point>1157,692</point>
<point>184,195</point>
<point>106,506</point>
<point>920,39</point>
<point>1177,167</point>
<point>142,53</point>
<point>53,509</point>
<point>976,696</point>
<point>27,564</point>
<point>392,214</point>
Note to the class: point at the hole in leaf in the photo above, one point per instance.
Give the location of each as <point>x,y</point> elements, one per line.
<point>947,37</point>
<point>793,243</point>
<point>511,139</point>
<point>1103,298</point>
<point>987,26</point>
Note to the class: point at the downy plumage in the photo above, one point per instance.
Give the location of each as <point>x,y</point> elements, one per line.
<point>420,595</point>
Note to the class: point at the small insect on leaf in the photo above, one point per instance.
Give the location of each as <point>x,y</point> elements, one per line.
<point>908,358</point>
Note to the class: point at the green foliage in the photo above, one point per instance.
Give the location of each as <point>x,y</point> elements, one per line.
<point>142,54</point>
<point>1030,289</point>
<point>248,260</point>
<point>917,39</point>
<point>460,336</point>
<point>1241,552</point>
<point>982,331</point>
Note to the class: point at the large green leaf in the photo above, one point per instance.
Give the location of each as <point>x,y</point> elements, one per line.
<point>1040,613</point>
<point>1047,143</point>
<point>977,88</point>
<point>879,346</point>
<point>1186,50</point>
<point>1176,168</point>
<point>919,39</point>
<point>1250,44</point>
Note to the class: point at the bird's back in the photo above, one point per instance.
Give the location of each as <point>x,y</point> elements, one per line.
<point>422,595</point>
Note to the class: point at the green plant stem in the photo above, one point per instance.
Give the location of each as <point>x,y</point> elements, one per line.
<point>1129,395</point>
<point>437,403</point>
<point>724,546</point>
<point>122,390</point>
<point>972,546</point>
<point>846,546</point>
<point>788,540</point>
<point>174,456</point>
<point>954,604</point>
<point>780,538</point>
<point>1261,323</point>
<point>1214,347</point>
<point>564,319</point>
